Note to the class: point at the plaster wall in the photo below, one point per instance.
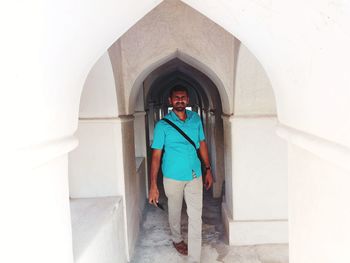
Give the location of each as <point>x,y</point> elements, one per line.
<point>307,60</point>
<point>140,134</point>
<point>259,155</point>
<point>132,190</point>
<point>259,170</point>
<point>253,90</point>
<point>228,144</point>
<point>97,235</point>
<point>318,207</point>
<point>104,163</point>
<point>255,204</point>
<point>63,42</point>
<point>141,170</point>
<point>98,98</point>
<point>140,126</point>
<point>172,30</point>
<point>35,211</point>
<point>258,211</point>
<point>95,167</point>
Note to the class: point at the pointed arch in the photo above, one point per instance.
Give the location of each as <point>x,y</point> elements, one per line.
<point>155,63</point>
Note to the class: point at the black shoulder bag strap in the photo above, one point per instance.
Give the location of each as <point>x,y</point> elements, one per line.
<point>181,132</point>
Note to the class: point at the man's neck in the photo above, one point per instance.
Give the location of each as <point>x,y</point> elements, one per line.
<point>181,114</point>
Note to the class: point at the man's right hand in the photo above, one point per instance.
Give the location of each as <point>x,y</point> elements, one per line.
<point>153,195</point>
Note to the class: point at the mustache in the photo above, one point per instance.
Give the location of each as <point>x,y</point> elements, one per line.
<point>179,103</point>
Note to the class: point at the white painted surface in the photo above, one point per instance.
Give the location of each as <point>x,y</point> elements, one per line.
<point>142,183</point>
<point>104,165</point>
<point>253,90</point>
<point>228,144</point>
<point>95,167</point>
<point>319,208</point>
<point>256,208</point>
<point>140,134</point>
<point>97,232</point>
<point>171,30</point>
<point>132,189</point>
<point>259,170</point>
<point>307,60</point>
<point>242,233</point>
<point>339,155</point>
<point>302,57</point>
<point>35,219</point>
<point>98,98</point>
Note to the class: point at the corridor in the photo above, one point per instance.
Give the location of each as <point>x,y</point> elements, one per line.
<point>154,242</point>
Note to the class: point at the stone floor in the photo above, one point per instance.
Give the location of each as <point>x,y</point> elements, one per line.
<point>154,244</point>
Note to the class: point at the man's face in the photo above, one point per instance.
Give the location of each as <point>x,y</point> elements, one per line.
<point>179,100</point>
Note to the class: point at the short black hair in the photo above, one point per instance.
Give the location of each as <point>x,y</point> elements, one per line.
<point>178,88</point>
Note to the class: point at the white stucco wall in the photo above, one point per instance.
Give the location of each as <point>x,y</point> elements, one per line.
<point>318,207</point>
<point>104,163</point>
<point>258,210</point>
<point>95,166</point>
<point>303,57</point>
<point>97,232</point>
<point>255,209</point>
<point>98,98</point>
<point>259,171</point>
<point>36,213</point>
<point>253,90</point>
<point>140,126</point>
<point>172,30</point>
<point>307,60</point>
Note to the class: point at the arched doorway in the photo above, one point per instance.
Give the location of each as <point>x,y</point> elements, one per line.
<point>204,99</point>
<point>143,76</point>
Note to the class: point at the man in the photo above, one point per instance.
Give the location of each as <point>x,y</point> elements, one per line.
<point>182,171</point>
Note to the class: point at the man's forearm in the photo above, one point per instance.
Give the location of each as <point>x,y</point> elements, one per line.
<point>154,173</point>
<point>155,164</point>
<point>203,151</point>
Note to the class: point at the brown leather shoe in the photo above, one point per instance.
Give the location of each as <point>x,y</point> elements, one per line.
<point>181,247</point>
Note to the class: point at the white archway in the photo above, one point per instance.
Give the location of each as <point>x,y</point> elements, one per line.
<point>307,60</point>
<point>152,65</point>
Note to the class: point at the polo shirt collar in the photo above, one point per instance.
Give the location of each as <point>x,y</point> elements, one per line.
<point>176,118</point>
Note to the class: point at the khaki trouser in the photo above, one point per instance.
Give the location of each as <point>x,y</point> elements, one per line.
<point>193,192</point>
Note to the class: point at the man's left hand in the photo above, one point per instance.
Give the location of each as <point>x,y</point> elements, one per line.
<point>208,180</point>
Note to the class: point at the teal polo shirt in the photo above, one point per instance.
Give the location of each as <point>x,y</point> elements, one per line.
<point>179,158</point>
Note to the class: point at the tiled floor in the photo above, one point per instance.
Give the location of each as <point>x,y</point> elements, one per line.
<point>154,244</point>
